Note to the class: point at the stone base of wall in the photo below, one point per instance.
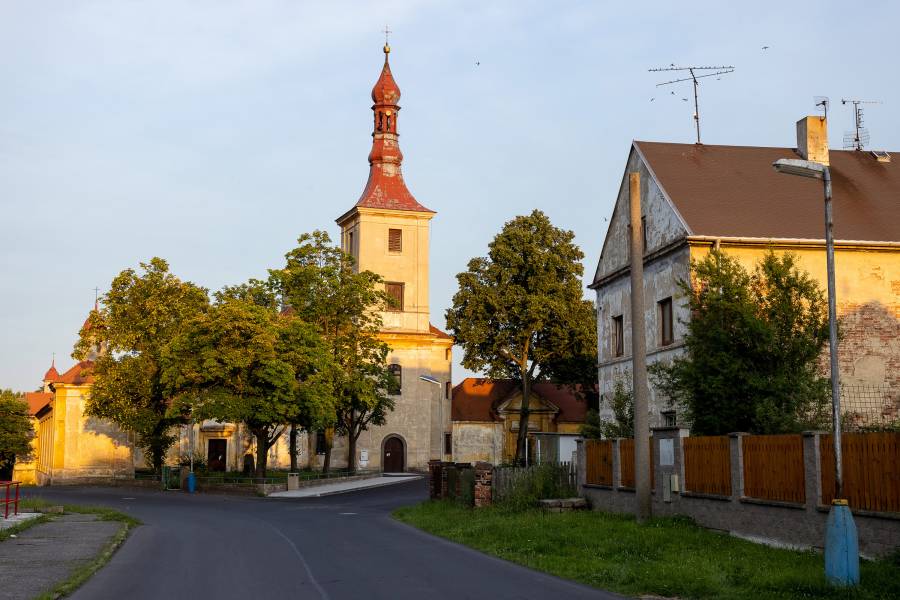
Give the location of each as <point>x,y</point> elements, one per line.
<point>564,504</point>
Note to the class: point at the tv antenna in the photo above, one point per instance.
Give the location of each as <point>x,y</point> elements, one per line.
<point>859,137</point>
<point>693,70</point>
<point>822,103</point>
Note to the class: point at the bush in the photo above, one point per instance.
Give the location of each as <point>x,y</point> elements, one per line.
<point>536,483</point>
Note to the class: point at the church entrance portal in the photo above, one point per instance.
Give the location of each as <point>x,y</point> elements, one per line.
<point>393,459</point>
<point>215,457</point>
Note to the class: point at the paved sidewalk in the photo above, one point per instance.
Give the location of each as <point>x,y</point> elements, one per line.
<point>47,554</point>
<point>14,520</point>
<point>329,489</point>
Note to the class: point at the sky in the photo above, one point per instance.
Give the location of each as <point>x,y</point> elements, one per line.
<point>214,133</point>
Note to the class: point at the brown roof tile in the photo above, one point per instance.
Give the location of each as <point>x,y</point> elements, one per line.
<point>477,399</point>
<point>37,401</point>
<point>733,191</point>
<point>80,374</point>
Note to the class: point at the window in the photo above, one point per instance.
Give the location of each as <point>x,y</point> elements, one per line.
<point>395,240</point>
<point>447,390</point>
<point>644,233</point>
<point>665,322</point>
<point>395,293</point>
<point>618,336</point>
<point>669,418</point>
<point>397,372</point>
<point>350,243</point>
<point>448,442</point>
<point>448,354</point>
<point>320,442</point>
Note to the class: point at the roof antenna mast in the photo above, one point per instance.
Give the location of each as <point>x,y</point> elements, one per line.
<point>693,70</point>
<point>858,138</point>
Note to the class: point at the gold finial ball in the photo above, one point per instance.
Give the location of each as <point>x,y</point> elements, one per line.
<point>387,49</point>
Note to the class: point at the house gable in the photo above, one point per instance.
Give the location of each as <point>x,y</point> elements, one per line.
<point>663,222</point>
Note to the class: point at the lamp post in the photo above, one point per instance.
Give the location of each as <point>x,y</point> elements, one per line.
<point>841,542</point>
<point>432,380</point>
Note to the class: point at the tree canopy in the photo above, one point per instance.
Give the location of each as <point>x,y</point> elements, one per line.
<point>242,361</point>
<point>138,317</point>
<point>753,346</point>
<point>520,312</point>
<point>16,432</point>
<point>321,285</point>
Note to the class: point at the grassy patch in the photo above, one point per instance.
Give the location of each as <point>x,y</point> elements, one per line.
<point>669,557</point>
<point>84,572</point>
<point>17,529</point>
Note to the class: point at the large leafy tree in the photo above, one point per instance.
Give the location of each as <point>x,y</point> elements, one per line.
<point>321,286</point>
<point>139,316</point>
<point>243,361</point>
<point>520,312</point>
<point>16,432</point>
<point>753,347</point>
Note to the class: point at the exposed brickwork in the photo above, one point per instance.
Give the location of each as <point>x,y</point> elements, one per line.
<point>484,476</point>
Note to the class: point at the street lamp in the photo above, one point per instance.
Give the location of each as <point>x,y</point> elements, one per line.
<point>841,542</point>
<point>430,379</point>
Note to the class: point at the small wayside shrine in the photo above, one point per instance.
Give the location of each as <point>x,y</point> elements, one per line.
<point>387,231</point>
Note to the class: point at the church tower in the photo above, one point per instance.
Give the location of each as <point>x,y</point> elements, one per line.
<point>387,231</point>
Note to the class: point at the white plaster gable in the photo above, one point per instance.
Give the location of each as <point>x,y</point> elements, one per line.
<point>664,224</point>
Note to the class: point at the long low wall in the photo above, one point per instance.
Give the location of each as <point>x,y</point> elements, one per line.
<point>792,524</point>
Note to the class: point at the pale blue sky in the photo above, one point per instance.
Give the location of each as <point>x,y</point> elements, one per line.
<point>214,133</point>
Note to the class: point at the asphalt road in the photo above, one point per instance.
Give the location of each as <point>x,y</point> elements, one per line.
<point>345,546</point>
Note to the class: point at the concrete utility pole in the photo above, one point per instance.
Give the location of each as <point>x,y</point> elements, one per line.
<point>643,507</point>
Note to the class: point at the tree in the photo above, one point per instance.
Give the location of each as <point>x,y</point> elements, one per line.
<point>321,286</point>
<point>242,361</point>
<point>16,432</point>
<point>753,347</point>
<point>519,312</point>
<point>139,316</point>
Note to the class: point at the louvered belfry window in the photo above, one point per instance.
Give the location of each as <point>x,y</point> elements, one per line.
<point>395,292</point>
<point>395,240</point>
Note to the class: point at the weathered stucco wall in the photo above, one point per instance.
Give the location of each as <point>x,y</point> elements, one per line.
<point>476,441</point>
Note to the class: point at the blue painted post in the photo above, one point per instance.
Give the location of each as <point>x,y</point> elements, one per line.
<point>191,482</point>
<point>841,546</point>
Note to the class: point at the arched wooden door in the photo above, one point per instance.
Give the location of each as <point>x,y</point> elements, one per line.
<point>393,457</point>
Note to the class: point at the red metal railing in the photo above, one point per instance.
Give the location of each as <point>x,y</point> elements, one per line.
<point>7,500</point>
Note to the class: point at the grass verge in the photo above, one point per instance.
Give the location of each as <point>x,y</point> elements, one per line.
<point>85,571</point>
<point>670,557</point>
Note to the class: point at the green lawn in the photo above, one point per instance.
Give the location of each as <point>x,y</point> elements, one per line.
<point>668,557</point>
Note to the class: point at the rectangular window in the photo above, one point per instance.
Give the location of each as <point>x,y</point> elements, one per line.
<point>665,322</point>
<point>320,442</point>
<point>644,234</point>
<point>395,240</point>
<point>448,443</point>
<point>350,243</point>
<point>397,372</point>
<point>395,293</point>
<point>447,390</point>
<point>618,336</point>
<point>669,418</point>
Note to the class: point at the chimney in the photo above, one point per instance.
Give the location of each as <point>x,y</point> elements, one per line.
<point>812,139</point>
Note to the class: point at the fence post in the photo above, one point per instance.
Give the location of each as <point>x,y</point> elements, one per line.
<point>812,469</point>
<point>617,465</point>
<point>483,484</point>
<point>580,464</point>
<point>737,464</point>
<point>667,456</point>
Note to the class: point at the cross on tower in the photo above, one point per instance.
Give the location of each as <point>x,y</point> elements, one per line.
<point>387,32</point>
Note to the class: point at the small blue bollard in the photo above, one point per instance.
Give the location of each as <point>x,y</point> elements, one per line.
<point>191,483</point>
<point>841,546</point>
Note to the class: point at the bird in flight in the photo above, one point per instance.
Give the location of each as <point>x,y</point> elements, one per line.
<point>652,99</point>
<point>765,47</point>
<point>477,63</point>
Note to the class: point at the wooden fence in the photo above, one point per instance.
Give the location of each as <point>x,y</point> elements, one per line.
<point>871,463</point>
<point>598,462</point>
<point>626,461</point>
<point>773,468</point>
<point>562,478</point>
<point>707,465</point>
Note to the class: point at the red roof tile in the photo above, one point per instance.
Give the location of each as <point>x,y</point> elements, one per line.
<point>80,374</point>
<point>37,401</point>
<point>52,374</point>
<point>477,399</point>
<point>439,333</point>
<point>733,191</point>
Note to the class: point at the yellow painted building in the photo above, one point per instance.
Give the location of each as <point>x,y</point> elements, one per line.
<point>697,196</point>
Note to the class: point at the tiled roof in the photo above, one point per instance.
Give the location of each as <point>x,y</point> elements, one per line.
<point>37,400</point>
<point>477,399</point>
<point>733,191</point>
<point>439,333</point>
<point>51,373</point>
<point>80,374</point>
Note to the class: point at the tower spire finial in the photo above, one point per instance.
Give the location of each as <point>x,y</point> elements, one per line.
<point>387,45</point>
